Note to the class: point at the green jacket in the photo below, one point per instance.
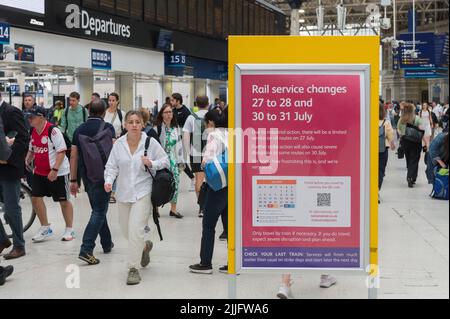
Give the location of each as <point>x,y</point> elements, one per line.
<point>74,119</point>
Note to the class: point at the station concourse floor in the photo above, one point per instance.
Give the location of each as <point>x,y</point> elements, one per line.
<point>413,255</point>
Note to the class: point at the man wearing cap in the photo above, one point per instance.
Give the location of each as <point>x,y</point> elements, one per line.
<point>11,171</point>
<point>50,174</point>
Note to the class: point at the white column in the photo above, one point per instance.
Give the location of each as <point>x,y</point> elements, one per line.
<point>21,82</point>
<point>84,85</point>
<point>124,86</point>
<point>215,91</point>
<point>199,87</point>
<point>295,23</point>
<point>209,92</point>
<point>166,89</point>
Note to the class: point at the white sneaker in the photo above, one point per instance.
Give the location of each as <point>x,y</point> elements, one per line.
<point>68,235</point>
<point>285,293</point>
<point>43,233</point>
<point>327,281</point>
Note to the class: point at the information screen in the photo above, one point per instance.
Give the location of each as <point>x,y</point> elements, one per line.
<point>37,6</point>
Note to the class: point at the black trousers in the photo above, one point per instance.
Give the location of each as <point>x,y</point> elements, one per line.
<point>382,163</point>
<point>412,155</point>
<point>216,206</point>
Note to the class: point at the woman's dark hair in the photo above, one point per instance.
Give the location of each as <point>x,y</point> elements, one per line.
<point>218,117</point>
<point>159,118</point>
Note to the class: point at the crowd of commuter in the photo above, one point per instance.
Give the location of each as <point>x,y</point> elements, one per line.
<point>116,157</point>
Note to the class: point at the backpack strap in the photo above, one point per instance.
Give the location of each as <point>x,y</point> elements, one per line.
<point>99,147</point>
<point>147,145</point>
<point>119,114</point>
<point>84,114</point>
<point>195,116</point>
<point>156,221</point>
<point>50,130</point>
<point>67,119</point>
<point>159,127</point>
<point>102,126</point>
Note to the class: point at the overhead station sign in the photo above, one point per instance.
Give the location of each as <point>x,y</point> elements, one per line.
<point>5,33</point>
<point>431,60</point>
<point>101,59</point>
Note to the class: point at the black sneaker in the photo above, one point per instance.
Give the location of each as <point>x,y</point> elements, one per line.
<point>224,236</point>
<point>108,250</point>
<point>410,183</point>
<point>224,269</point>
<point>5,272</point>
<point>90,259</point>
<point>176,215</point>
<point>201,269</point>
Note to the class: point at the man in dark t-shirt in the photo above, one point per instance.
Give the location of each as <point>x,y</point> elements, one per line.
<point>98,197</point>
<point>180,111</point>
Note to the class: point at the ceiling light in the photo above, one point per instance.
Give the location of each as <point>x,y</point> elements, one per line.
<point>301,11</point>
<point>301,20</point>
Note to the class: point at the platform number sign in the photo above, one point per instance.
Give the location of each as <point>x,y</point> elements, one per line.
<point>177,60</point>
<point>4,33</point>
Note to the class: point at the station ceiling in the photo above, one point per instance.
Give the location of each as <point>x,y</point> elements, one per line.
<point>428,11</point>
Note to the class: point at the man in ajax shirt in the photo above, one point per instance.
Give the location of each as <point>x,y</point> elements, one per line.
<point>50,174</point>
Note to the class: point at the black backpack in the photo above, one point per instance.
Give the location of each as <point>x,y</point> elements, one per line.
<point>66,140</point>
<point>95,151</point>
<point>163,188</point>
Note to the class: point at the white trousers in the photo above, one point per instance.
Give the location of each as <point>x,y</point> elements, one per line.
<point>133,219</point>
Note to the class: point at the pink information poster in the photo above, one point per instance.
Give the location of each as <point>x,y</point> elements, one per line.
<point>301,172</point>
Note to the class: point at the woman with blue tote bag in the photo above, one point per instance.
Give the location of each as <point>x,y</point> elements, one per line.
<point>215,167</point>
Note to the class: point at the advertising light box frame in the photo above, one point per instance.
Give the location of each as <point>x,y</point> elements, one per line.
<point>363,71</point>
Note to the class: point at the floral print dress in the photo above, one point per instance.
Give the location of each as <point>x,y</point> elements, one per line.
<point>170,148</point>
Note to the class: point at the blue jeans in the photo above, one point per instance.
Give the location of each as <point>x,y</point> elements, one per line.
<point>216,206</point>
<point>98,224</point>
<point>11,196</point>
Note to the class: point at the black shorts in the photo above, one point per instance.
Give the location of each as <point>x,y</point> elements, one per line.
<point>58,190</point>
<point>196,167</point>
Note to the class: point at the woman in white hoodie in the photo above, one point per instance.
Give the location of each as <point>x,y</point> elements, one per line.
<point>127,165</point>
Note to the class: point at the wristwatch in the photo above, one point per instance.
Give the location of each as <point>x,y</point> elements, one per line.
<point>54,169</point>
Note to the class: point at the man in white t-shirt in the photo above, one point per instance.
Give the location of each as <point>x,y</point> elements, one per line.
<point>50,174</point>
<point>193,142</point>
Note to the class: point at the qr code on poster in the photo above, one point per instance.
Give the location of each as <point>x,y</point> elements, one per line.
<point>324,199</point>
